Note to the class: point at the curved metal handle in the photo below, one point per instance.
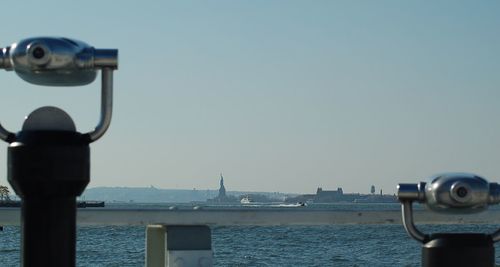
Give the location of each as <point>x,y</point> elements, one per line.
<point>63,62</point>
<point>5,135</point>
<point>106,104</point>
<point>408,193</point>
<point>407,210</point>
<point>106,109</point>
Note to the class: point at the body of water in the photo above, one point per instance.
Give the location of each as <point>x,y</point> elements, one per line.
<point>332,245</point>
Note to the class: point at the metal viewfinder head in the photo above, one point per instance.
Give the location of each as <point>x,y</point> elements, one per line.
<point>54,61</point>
<point>452,193</point>
<point>457,193</point>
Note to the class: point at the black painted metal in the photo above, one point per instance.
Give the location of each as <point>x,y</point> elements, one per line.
<point>458,250</point>
<point>48,170</point>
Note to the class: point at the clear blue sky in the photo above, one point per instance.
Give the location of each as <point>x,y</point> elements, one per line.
<point>277,95</point>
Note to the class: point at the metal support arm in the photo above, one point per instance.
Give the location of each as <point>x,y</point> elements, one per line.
<point>106,109</point>
<point>407,210</point>
<point>106,105</point>
<point>4,134</point>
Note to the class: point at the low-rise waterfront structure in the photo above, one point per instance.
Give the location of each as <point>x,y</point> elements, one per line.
<point>334,196</point>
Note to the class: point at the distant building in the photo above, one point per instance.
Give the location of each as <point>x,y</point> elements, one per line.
<point>222,197</point>
<point>335,196</point>
<point>324,196</point>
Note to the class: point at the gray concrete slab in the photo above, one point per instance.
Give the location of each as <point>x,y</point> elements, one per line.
<point>9,216</point>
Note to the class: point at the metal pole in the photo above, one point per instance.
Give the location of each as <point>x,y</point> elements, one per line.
<point>458,250</point>
<point>48,169</point>
<point>48,231</point>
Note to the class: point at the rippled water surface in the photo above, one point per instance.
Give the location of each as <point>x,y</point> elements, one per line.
<point>333,245</point>
<point>337,245</point>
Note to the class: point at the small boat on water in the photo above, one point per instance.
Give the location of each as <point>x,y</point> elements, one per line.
<point>90,204</point>
<point>295,205</point>
<point>246,200</point>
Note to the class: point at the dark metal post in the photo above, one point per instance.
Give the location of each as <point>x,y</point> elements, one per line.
<point>48,170</point>
<point>458,250</point>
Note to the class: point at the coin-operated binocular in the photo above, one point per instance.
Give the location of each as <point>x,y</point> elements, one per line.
<point>452,193</point>
<point>48,160</point>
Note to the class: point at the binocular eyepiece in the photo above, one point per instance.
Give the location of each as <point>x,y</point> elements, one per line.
<point>452,193</point>
<point>456,193</point>
<point>56,61</point>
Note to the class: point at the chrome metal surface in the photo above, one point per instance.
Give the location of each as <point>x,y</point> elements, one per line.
<point>457,193</point>
<point>57,61</point>
<point>53,61</point>
<point>411,192</point>
<point>63,62</point>
<point>4,59</point>
<point>4,134</point>
<point>106,58</point>
<point>106,104</point>
<point>407,212</point>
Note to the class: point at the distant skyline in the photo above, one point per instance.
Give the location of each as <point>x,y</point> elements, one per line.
<point>280,96</point>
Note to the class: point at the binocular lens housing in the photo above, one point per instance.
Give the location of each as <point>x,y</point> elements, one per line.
<point>457,192</point>
<point>452,193</point>
<point>461,192</point>
<point>38,53</point>
<point>57,61</point>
